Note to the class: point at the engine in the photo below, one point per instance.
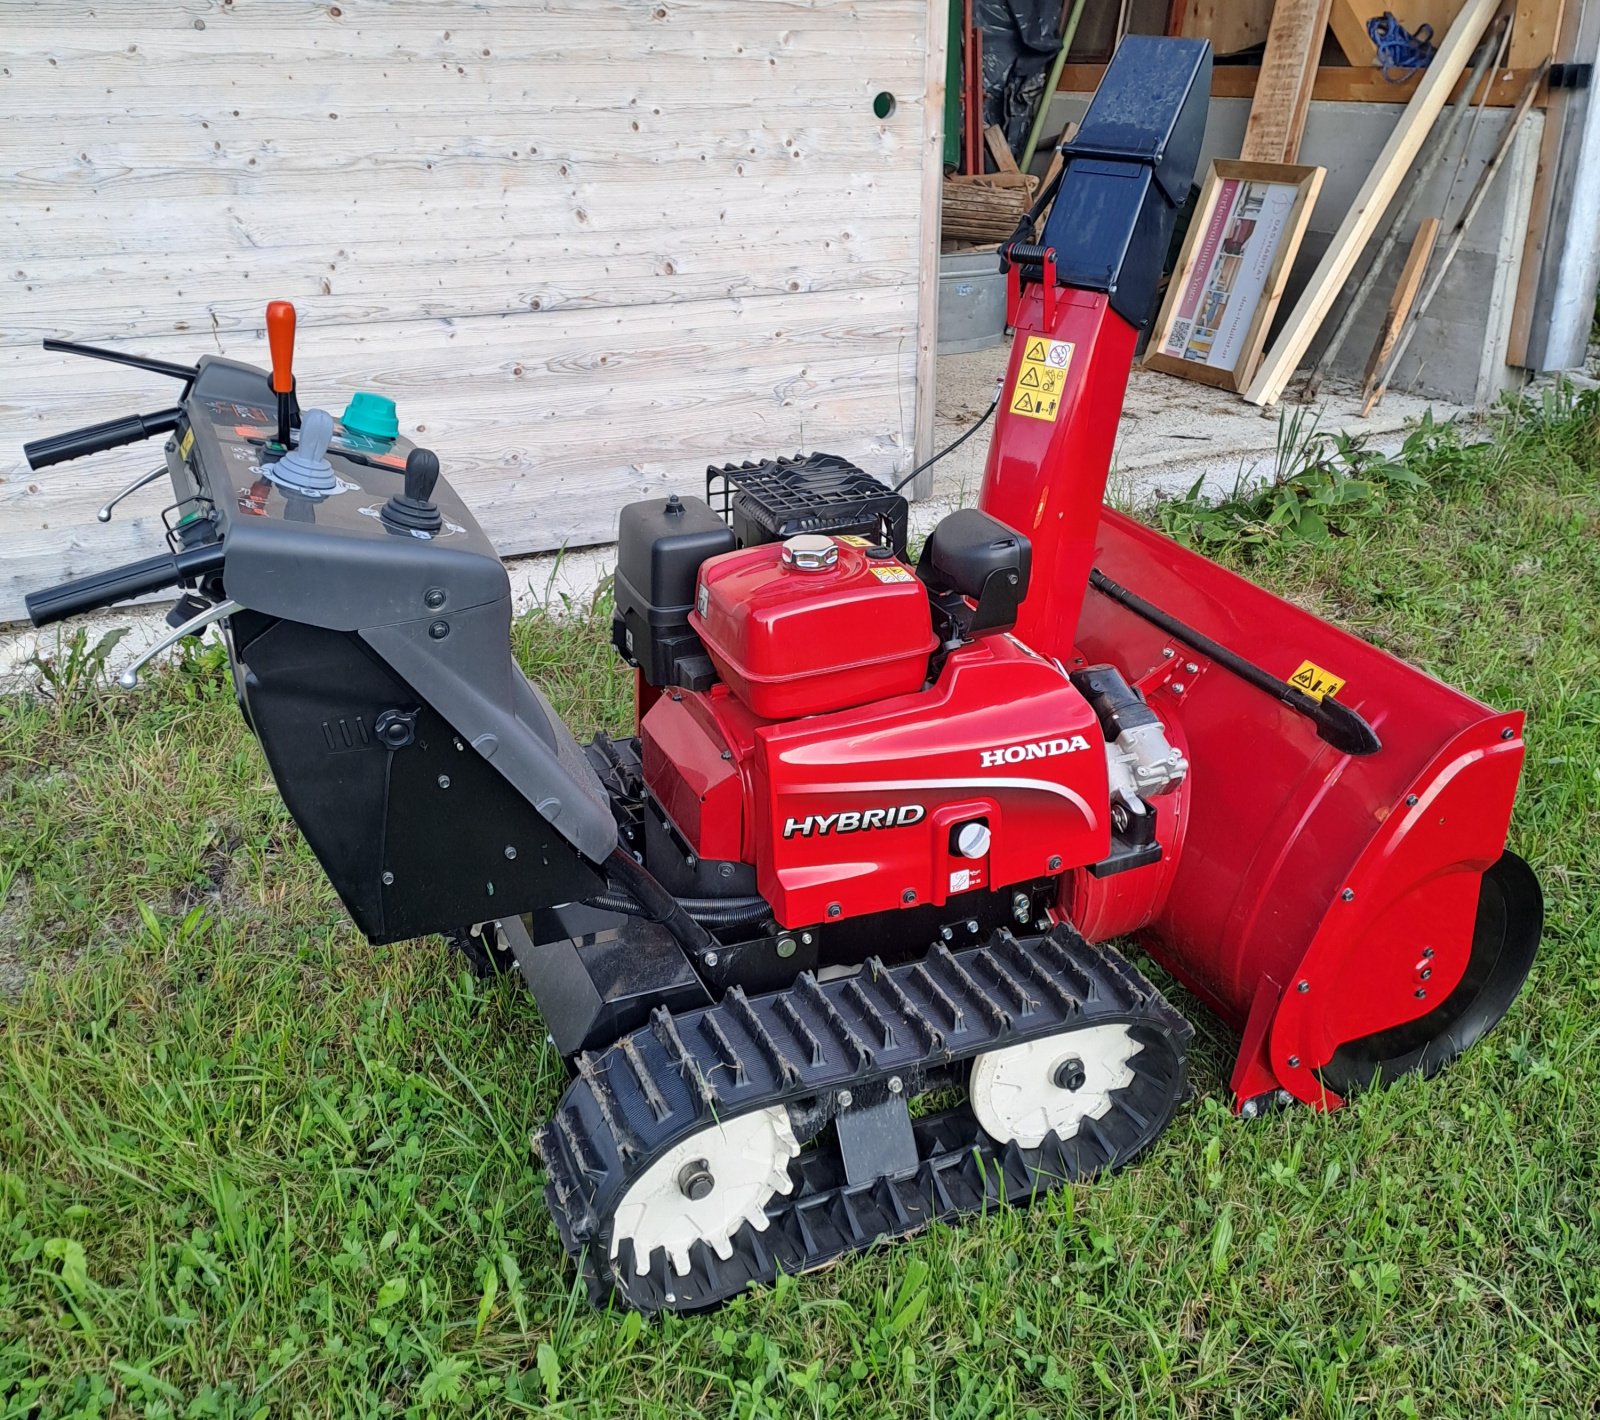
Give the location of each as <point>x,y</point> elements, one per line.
<point>860,734</point>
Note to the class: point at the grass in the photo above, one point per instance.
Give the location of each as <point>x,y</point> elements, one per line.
<point>250,1166</point>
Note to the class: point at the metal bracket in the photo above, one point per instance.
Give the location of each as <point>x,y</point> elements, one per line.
<point>875,1137</point>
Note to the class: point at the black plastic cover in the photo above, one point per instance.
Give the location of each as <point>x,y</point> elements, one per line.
<point>661,543</point>
<point>1128,172</point>
<point>979,557</point>
<point>812,493</point>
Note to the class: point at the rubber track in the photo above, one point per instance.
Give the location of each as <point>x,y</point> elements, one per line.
<point>636,1099</point>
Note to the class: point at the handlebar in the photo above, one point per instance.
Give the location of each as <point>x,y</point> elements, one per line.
<point>96,438</point>
<point>118,584</point>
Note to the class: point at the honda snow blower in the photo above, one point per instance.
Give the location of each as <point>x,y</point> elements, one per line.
<point>879,821</point>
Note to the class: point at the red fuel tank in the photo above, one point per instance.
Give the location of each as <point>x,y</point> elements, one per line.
<point>812,625</point>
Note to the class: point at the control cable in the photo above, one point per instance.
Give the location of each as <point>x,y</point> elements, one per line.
<point>953,445</point>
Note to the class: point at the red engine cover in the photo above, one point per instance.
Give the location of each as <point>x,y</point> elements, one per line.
<point>792,642</point>
<point>856,811</point>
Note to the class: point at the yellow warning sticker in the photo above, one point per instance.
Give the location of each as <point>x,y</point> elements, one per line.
<point>1041,378</point>
<point>892,574</point>
<point>1315,681</point>
<point>187,444</point>
<point>853,540</point>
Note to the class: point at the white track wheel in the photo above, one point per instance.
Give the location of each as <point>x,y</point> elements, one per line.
<point>707,1187</point>
<point>1023,1092</point>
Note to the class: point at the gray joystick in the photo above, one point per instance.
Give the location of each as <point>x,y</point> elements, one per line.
<point>305,468</point>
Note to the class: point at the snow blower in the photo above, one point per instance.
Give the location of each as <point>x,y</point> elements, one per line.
<point>827,943</point>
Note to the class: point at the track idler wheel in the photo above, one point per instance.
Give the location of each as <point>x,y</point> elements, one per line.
<point>1504,940</point>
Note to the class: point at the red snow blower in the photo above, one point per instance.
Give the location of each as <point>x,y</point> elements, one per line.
<point>880,820</point>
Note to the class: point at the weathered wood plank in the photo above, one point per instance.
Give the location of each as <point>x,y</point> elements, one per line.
<point>1283,94</point>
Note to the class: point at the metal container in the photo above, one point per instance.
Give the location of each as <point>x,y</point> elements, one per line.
<point>972,302</point>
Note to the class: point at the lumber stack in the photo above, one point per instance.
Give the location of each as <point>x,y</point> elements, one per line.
<point>985,208</point>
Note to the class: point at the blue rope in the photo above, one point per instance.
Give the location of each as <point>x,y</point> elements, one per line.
<point>1399,51</point>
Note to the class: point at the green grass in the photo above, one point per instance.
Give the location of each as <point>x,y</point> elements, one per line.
<point>251,1166</point>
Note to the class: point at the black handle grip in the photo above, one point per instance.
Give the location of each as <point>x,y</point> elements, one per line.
<point>118,584</point>
<point>96,438</point>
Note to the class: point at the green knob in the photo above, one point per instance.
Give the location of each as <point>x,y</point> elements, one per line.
<point>371,416</point>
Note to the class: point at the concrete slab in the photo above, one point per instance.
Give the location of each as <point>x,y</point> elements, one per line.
<point>1172,432</point>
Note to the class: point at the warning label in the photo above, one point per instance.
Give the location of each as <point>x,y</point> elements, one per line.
<point>893,574</point>
<point>1315,681</point>
<point>1041,378</point>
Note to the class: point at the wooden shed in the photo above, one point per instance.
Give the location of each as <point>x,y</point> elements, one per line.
<point>588,246</point>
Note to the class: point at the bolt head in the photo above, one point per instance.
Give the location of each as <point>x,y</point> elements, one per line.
<point>1249,1109</point>
<point>972,925</point>
<point>711,958</point>
<point>1425,974</point>
<point>806,938</point>
<point>1178,687</point>
<point>896,1085</point>
<point>1421,993</point>
<point>1294,1062</point>
<point>1302,987</point>
<point>1348,895</point>
<point>909,895</point>
<point>439,630</point>
<point>433,598</point>
<point>1411,801</point>
<point>1191,667</point>
<point>444,781</point>
<point>834,910</point>
<point>1069,1074</point>
<point>388,879</point>
<point>1167,653</point>
<point>846,1099</point>
<point>1507,733</point>
<point>1427,952</point>
<point>695,1181</point>
<point>1055,862</point>
<point>511,851</point>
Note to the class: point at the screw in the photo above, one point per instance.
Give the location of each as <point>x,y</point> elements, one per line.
<point>511,851</point>
<point>1054,863</point>
<point>724,870</point>
<point>675,694</point>
<point>895,1085</point>
<point>727,754</point>
<point>1427,951</point>
<point>695,1180</point>
<point>1249,1109</point>
<point>806,938</point>
<point>460,748</point>
<point>711,958</point>
<point>947,934</point>
<point>1425,974</point>
<point>972,925</point>
<point>1282,1097</point>
<point>388,879</point>
<point>433,598</point>
<point>444,781</point>
<point>1069,1074</point>
<point>1168,653</point>
<point>1178,687</point>
<point>909,895</point>
<point>1303,987</point>
<point>846,1099</point>
<point>1411,801</point>
<point>1294,1062</point>
<point>439,630</point>
<point>1348,895</point>
<point>1421,993</point>
<point>1191,667</point>
<point>786,946</point>
<point>1507,733</point>
<point>1021,908</point>
<point>691,862</point>
<point>834,910</point>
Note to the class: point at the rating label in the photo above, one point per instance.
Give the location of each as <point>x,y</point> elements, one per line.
<point>1041,378</point>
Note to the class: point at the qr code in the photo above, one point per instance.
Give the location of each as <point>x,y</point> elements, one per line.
<point>1178,336</point>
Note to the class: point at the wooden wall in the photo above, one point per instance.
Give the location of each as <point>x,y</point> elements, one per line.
<point>588,246</point>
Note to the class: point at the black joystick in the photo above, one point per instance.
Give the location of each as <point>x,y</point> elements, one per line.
<point>413,510</point>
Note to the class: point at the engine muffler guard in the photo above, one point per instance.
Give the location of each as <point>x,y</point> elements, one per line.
<point>1354,917</point>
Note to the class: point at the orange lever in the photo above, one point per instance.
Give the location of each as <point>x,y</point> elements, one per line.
<point>280,337</point>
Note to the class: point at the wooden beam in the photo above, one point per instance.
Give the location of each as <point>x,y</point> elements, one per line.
<point>1405,292</point>
<point>995,136</point>
<point>1230,25</point>
<point>1364,214</point>
<point>1283,92</point>
<point>1539,211</point>
<point>1536,30</point>
<point>936,38</point>
<point>1335,83</point>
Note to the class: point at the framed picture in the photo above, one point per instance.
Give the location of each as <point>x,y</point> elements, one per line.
<point>1246,228</point>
